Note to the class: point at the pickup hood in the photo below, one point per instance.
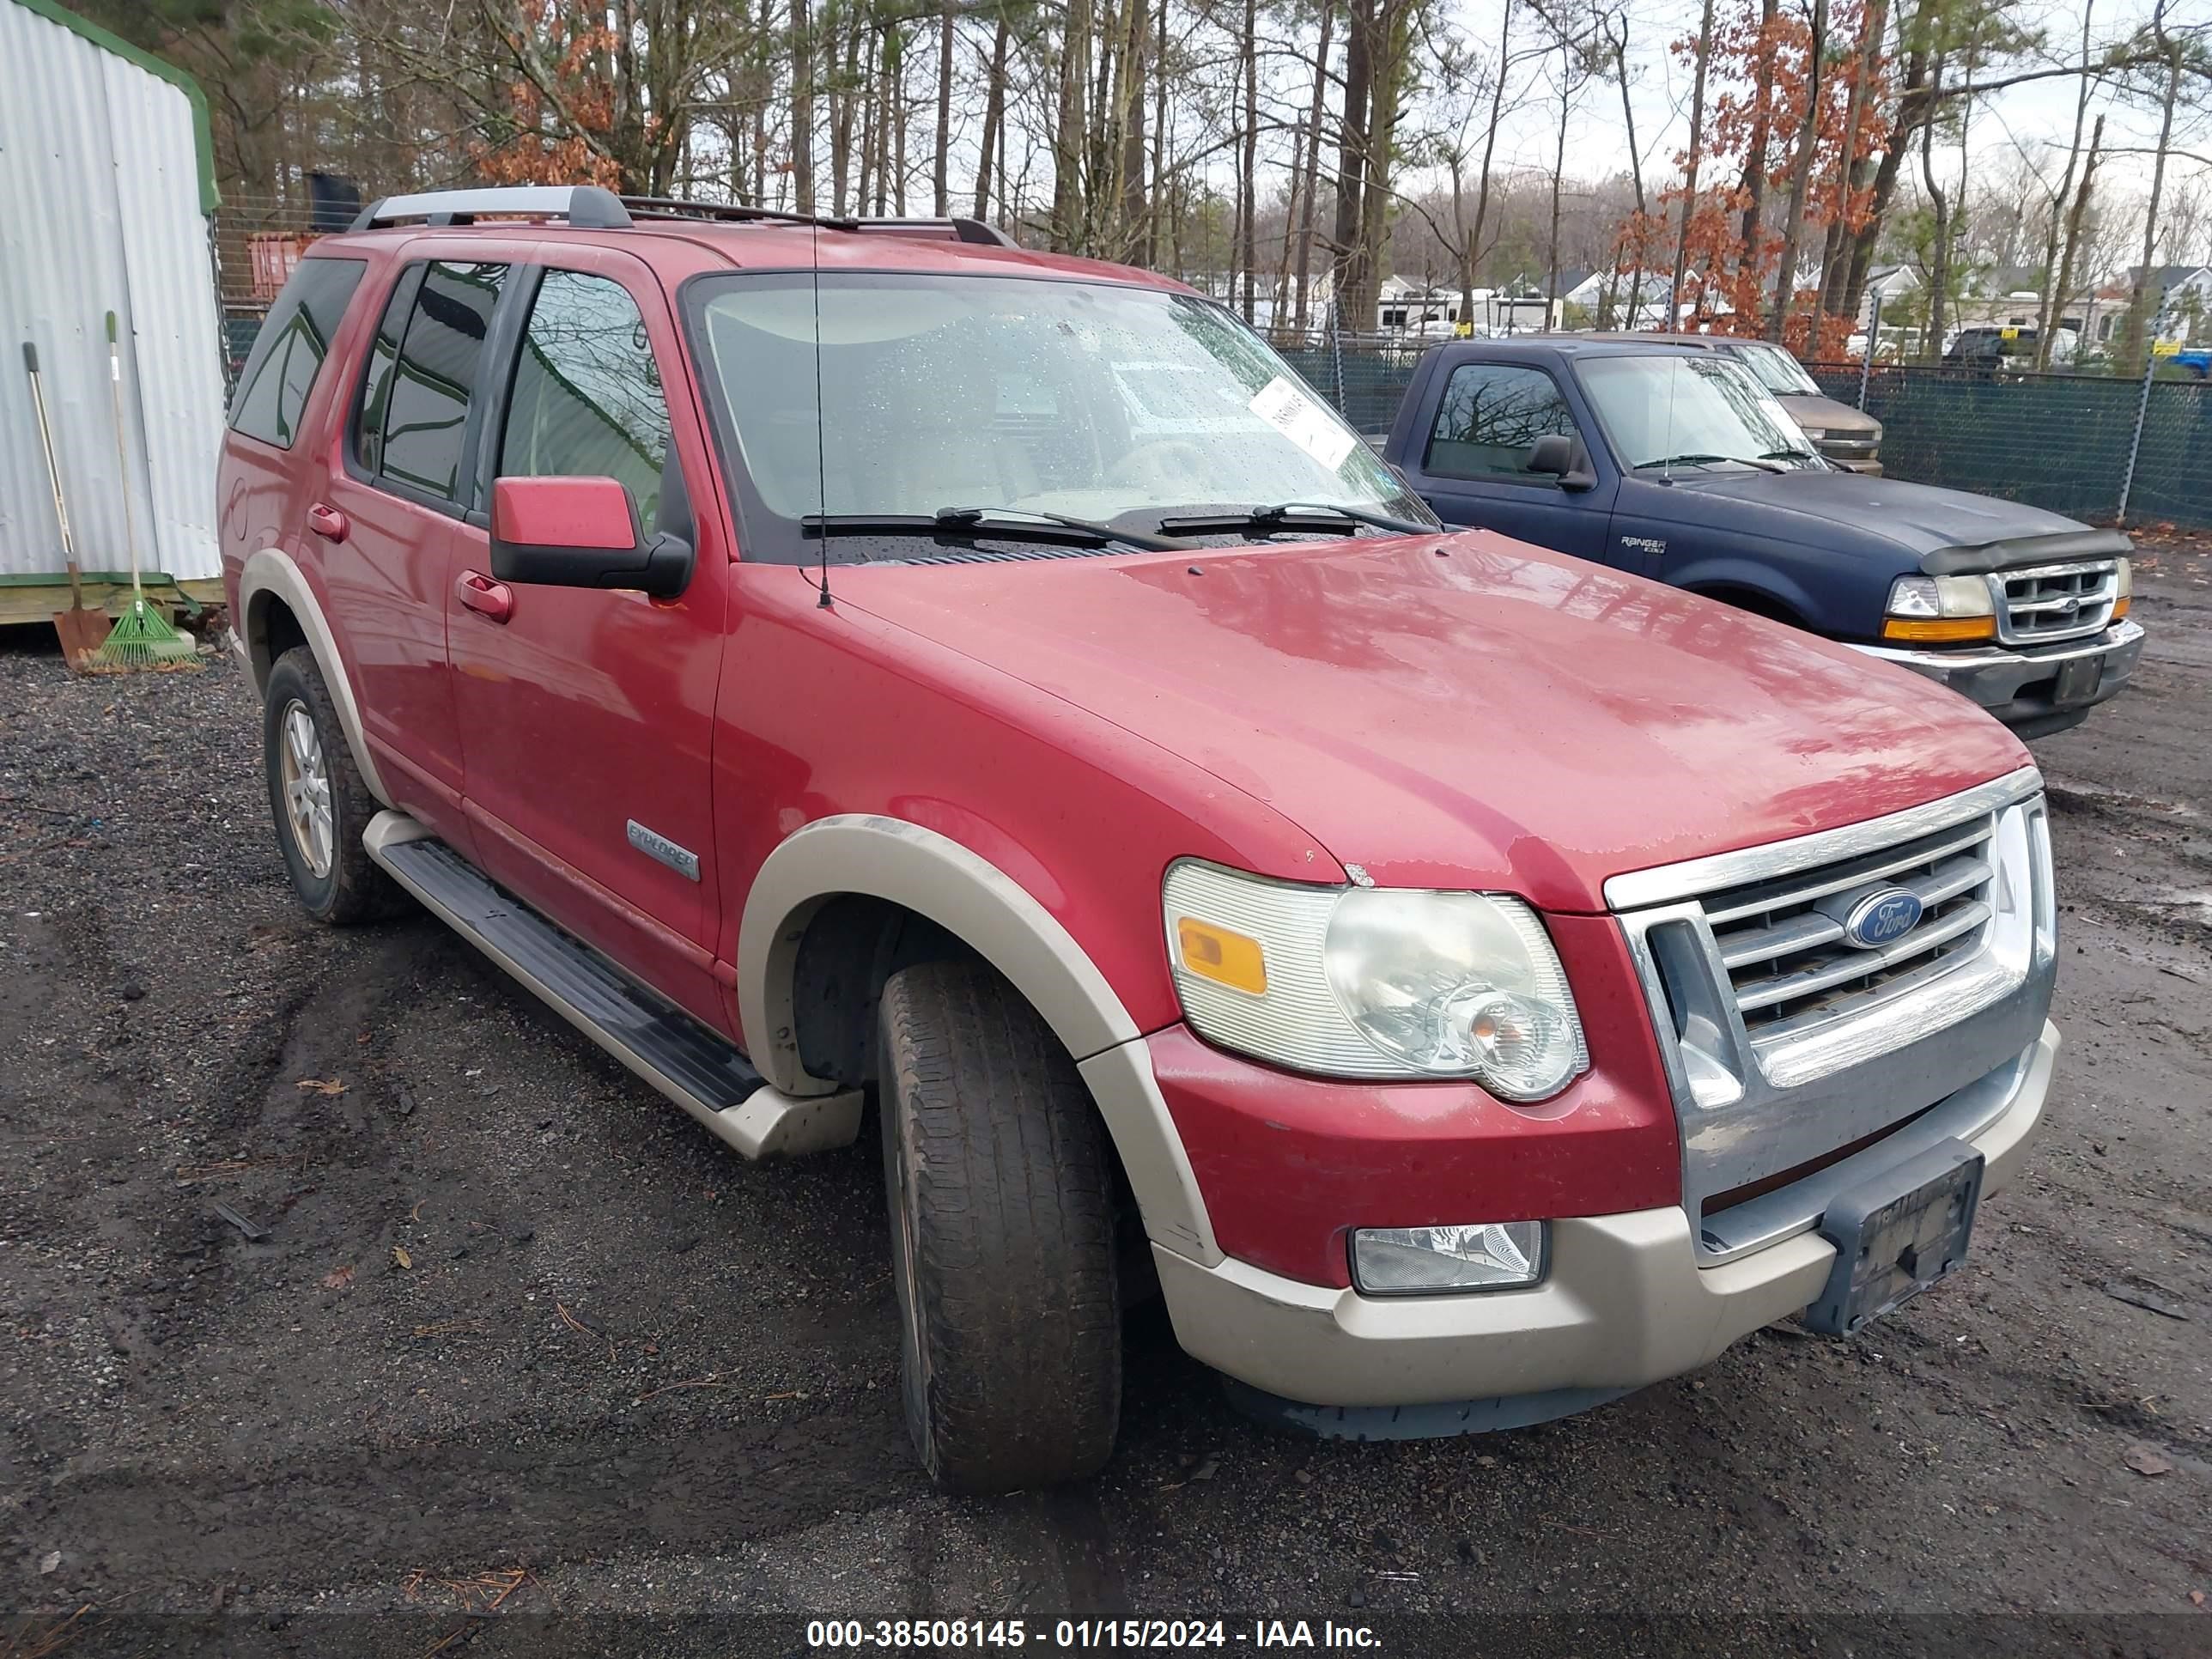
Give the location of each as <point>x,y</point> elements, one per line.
<point>1462,710</point>
<point>1942,528</point>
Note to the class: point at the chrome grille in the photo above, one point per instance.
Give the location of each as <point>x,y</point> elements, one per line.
<point>1788,963</point>
<point>2055,601</point>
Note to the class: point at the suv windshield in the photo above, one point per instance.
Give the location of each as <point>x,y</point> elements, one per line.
<point>1775,370</point>
<point>1693,410</point>
<point>1113,403</point>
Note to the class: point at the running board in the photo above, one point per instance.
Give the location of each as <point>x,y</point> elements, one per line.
<point>691,1065</point>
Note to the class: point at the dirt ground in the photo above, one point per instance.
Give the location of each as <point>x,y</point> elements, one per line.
<point>527,1362</point>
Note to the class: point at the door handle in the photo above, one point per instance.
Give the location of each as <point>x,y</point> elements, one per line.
<point>327,522</point>
<point>485,596</point>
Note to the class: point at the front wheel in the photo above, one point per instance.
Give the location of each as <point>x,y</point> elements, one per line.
<point>318,798</point>
<point>1001,1194</point>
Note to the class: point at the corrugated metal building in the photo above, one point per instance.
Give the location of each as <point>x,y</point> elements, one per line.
<point>106,184</point>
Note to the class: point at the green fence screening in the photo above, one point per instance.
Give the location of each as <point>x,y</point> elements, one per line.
<point>2059,442</point>
<point>2054,440</point>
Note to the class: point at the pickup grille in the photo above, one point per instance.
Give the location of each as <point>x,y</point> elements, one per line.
<point>1787,960</point>
<point>2055,601</point>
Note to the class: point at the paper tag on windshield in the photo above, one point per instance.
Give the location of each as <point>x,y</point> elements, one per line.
<point>1293,414</point>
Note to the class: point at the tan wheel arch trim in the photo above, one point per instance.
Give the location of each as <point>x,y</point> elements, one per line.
<point>936,877</point>
<point>270,572</point>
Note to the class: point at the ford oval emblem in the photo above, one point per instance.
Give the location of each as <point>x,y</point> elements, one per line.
<point>1882,917</point>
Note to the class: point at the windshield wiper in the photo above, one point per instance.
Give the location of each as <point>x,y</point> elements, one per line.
<point>1290,515</point>
<point>990,523</point>
<point>1788,455</point>
<point>1762,464</point>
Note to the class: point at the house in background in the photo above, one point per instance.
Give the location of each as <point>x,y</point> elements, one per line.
<point>106,186</point>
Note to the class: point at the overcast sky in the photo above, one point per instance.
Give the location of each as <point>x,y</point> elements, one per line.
<point>2037,118</point>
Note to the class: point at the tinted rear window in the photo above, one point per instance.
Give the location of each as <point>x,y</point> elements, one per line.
<point>287,354</point>
<point>422,434</point>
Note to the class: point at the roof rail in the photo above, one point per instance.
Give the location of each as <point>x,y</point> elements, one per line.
<point>959,230</point>
<point>586,206</point>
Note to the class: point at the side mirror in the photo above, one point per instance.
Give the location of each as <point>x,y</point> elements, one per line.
<point>1557,454</point>
<point>580,533</point>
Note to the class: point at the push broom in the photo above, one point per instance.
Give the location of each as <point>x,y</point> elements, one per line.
<point>143,638</point>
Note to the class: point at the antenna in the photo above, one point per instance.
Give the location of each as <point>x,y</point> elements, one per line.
<point>821,457</point>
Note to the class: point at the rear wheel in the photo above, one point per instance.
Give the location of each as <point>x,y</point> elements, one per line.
<point>1001,1195</point>
<point>317,797</point>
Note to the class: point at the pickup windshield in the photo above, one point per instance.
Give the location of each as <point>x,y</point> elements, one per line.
<point>1775,370</point>
<point>1668,411</point>
<point>1120,405</point>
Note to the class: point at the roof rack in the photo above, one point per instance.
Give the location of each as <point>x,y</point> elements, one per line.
<point>589,207</point>
<point>959,230</point>
<point>586,206</point>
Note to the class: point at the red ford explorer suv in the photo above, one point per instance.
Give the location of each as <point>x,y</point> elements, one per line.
<point>838,663</point>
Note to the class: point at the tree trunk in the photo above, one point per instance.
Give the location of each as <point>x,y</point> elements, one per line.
<point>1801,171</point>
<point>1248,162</point>
<point>1690,165</point>
<point>1351,156</point>
<point>2063,288</point>
<point>1755,160</point>
<point>1135,62</point>
<point>2054,297</point>
<point>2143,301</point>
<point>802,109</point>
<point>1067,139</point>
<point>1939,273</point>
<point>995,111</point>
<point>1635,178</point>
<point>1850,167</point>
<point>940,161</point>
<point>1471,258</point>
<point>1311,185</point>
<point>1559,167</point>
<point>1386,84</point>
<point>1159,137</point>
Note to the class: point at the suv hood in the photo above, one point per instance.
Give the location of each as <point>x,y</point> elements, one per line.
<point>1465,711</point>
<point>1919,518</point>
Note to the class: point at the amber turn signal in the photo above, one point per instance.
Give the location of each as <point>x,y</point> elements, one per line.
<point>1939,630</point>
<point>1227,958</point>
<point>2120,606</point>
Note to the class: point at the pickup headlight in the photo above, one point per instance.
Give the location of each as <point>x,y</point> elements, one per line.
<point>1373,982</point>
<point>1940,610</point>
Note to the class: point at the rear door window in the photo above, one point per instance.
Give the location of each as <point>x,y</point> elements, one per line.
<point>287,353</point>
<point>1491,415</point>
<point>588,400</point>
<point>423,381</point>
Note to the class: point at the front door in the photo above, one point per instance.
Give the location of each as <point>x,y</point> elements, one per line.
<point>586,714</point>
<point>1472,464</point>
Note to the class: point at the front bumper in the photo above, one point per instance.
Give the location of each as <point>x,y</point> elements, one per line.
<point>2020,686</point>
<point>1624,1303</point>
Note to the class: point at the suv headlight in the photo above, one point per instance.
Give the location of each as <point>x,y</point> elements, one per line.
<point>1373,982</point>
<point>1940,609</point>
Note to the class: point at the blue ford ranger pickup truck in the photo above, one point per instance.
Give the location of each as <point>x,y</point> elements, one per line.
<point>1676,463</point>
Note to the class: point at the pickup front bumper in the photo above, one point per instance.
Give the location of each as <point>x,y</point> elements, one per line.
<point>2021,687</point>
<point>1623,1302</point>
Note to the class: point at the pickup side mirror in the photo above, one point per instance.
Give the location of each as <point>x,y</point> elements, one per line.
<point>1560,456</point>
<point>581,532</point>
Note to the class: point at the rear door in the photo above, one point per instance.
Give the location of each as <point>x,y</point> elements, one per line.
<point>586,715</point>
<point>394,520</point>
<point>1471,463</point>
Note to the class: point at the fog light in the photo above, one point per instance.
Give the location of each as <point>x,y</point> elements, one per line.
<point>1489,1255</point>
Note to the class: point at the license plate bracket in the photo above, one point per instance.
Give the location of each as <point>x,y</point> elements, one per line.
<point>2078,680</point>
<point>1896,1235</point>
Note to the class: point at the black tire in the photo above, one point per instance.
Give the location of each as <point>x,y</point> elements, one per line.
<point>1001,1189</point>
<point>351,888</point>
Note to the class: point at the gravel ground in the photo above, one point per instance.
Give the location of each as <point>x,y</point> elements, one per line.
<point>527,1361</point>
